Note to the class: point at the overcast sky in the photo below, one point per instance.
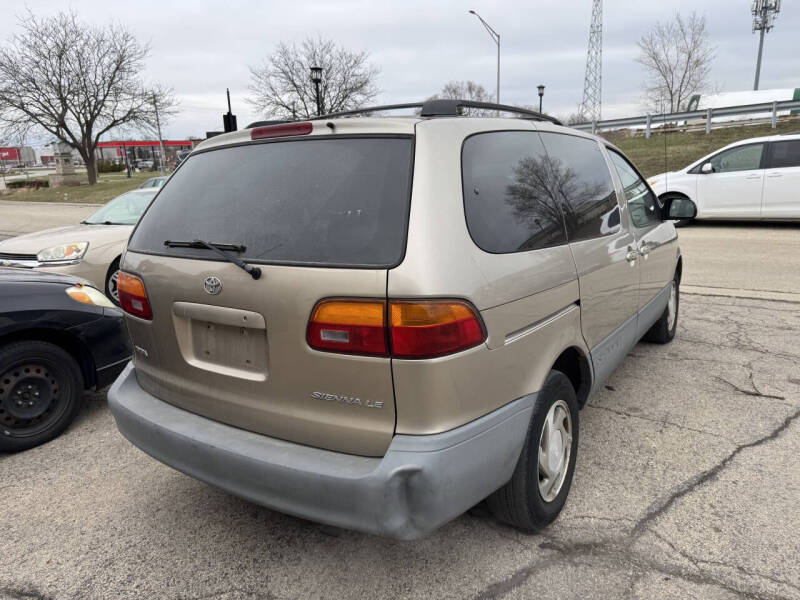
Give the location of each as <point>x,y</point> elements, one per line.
<point>200,48</point>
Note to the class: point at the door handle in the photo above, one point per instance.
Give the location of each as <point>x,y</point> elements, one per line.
<point>774,174</point>
<point>644,249</point>
<point>753,177</point>
<point>631,255</point>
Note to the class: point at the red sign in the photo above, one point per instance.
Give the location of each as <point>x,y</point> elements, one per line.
<point>9,154</point>
<point>144,143</point>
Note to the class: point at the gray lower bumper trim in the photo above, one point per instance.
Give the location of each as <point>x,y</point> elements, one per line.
<point>421,483</point>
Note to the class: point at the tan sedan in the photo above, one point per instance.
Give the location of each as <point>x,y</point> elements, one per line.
<point>91,249</point>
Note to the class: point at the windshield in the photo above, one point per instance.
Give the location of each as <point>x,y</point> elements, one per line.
<point>155,182</point>
<point>122,210</point>
<point>340,201</point>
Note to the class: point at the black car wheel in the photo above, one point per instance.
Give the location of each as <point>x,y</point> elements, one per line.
<point>41,390</point>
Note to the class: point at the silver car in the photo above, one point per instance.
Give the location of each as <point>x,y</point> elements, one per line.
<point>376,323</point>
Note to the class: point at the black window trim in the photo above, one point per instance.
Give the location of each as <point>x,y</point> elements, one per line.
<point>464,198</point>
<point>762,165</point>
<point>370,267</point>
<point>646,183</point>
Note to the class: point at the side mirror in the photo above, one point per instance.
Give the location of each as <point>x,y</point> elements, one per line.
<point>678,209</point>
<point>707,168</point>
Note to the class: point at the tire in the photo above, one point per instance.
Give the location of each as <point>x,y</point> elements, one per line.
<point>110,289</point>
<point>663,330</point>
<point>521,502</point>
<point>41,391</point>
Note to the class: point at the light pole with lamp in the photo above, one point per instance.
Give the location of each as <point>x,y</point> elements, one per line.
<point>316,78</point>
<point>541,94</point>
<point>496,38</point>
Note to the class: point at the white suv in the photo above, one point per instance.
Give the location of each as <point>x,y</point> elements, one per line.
<point>757,178</point>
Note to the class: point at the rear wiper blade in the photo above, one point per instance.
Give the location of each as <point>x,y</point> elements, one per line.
<point>254,272</point>
<point>202,244</point>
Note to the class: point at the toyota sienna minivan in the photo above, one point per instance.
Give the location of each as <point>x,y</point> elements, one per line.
<point>378,322</point>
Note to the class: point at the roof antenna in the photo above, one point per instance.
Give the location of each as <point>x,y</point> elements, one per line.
<point>229,119</point>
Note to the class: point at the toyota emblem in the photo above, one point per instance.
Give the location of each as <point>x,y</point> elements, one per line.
<point>212,285</point>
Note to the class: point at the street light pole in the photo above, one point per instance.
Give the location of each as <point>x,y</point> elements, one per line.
<point>541,94</point>
<point>496,37</point>
<point>316,78</point>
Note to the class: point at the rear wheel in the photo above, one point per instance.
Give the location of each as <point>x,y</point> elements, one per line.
<point>41,390</point>
<point>111,282</point>
<point>539,487</point>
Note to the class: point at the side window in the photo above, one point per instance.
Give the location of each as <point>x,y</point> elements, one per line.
<point>743,158</point>
<point>509,201</point>
<point>580,177</point>
<point>641,201</point>
<point>785,154</point>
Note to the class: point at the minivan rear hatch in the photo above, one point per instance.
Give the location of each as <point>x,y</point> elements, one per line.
<point>322,217</point>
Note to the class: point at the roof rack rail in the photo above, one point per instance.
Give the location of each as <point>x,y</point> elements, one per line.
<point>443,108</point>
<point>263,123</point>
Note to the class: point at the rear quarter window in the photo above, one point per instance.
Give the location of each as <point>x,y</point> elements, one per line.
<point>327,202</point>
<point>785,154</point>
<point>509,202</point>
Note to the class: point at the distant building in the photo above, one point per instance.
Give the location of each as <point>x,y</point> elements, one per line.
<point>13,156</point>
<point>141,151</point>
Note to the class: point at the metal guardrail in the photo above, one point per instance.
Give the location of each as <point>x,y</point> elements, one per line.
<point>708,114</point>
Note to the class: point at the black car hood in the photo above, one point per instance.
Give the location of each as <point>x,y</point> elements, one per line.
<point>15,275</point>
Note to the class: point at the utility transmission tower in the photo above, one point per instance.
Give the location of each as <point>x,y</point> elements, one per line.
<point>764,12</point>
<point>593,80</point>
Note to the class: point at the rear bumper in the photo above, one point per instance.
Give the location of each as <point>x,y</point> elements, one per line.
<point>421,483</point>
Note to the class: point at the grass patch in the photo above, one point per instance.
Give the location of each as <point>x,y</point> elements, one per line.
<point>109,186</point>
<point>685,147</point>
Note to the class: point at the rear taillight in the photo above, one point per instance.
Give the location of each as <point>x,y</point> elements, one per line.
<point>433,328</point>
<point>282,130</point>
<point>349,326</point>
<point>132,296</point>
<point>413,329</point>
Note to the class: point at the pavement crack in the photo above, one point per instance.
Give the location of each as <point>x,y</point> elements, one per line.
<point>517,578</point>
<point>23,593</point>
<point>658,508</point>
<point>754,392</point>
<point>697,562</point>
<point>662,422</point>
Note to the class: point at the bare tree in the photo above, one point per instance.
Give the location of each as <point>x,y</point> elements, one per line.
<point>466,90</point>
<point>677,57</point>
<point>282,85</point>
<point>76,82</point>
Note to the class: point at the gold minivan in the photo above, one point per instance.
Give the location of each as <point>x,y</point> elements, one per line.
<point>378,322</point>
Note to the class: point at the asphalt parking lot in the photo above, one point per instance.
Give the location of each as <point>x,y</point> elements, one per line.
<point>687,483</point>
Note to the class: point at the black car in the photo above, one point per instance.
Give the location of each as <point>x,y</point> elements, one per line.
<point>58,337</point>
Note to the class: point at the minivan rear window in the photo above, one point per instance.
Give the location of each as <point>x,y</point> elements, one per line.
<point>327,202</point>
